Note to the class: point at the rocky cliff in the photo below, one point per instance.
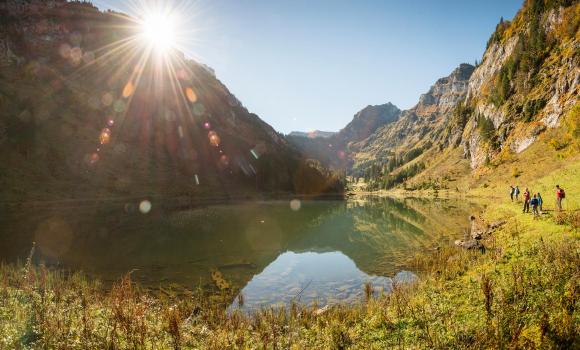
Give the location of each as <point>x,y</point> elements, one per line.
<point>88,112</point>
<point>335,151</point>
<point>525,84</point>
<point>527,81</point>
<point>417,129</point>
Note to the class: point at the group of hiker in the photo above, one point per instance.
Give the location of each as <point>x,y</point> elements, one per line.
<point>535,200</point>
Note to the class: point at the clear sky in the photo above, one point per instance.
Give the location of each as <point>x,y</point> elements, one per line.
<point>312,64</point>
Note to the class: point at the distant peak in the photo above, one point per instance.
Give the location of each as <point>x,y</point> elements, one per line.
<point>312,134</point>
<point>387,108</point>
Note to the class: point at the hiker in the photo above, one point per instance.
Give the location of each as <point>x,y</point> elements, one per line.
<point>534,203</point>
<point>512,192</point>
<point>540,203</point>
<point>517,193</point>
<point>560,194</point>
<point>526,201</point>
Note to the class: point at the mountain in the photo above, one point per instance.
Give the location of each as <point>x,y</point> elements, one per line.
<point>417,129</point>
<point>367,121</point>
<point>527,81</point>
<point>87,111</point>
<point>524,89</point>
<point>312,134</point>
<point>334,151</point>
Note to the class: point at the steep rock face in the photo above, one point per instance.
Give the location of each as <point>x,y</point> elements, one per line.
<point>566,78</point>
<point>493,59</point>
<point>419,127</point>
<point>446,92</point>
<point>521,89</point>
<point>87,112</point>
<point>526,83</point>
<point>336,151</point>
<point>366,121</point>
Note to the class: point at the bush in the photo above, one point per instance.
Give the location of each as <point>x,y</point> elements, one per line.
<point>571,218</point>
<point>516,172</point>
<point>487,130</point>
<point>558,144</point>
<point>532,107</point>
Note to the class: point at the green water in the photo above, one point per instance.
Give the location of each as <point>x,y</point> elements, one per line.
<point>271,252</point>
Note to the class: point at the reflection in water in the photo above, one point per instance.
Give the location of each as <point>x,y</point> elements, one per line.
<point>325,278</point>
<point>268,250</point>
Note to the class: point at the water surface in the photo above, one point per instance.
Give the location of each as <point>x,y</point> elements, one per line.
<point>271,252</point>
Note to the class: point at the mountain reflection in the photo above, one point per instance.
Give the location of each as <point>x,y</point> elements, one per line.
<point>363,238</point>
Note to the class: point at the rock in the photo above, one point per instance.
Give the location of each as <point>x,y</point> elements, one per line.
<point>470,244</point>
<point>321,310</point>
<point>496,224</point>
<point>477,235</point>
<point>446,92</point>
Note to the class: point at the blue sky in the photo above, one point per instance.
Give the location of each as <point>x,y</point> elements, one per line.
<point>312,64</point>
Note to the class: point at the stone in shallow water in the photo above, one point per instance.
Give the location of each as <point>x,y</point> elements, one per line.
<point>405,277</point>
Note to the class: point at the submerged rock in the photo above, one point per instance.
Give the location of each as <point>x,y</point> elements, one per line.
<point>405,277</point>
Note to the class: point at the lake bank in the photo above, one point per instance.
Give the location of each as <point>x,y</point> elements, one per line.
<point>522,292</point>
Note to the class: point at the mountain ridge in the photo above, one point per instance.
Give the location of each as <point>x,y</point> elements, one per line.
<point>525,85</point>
<point>84,114</point>
<point>334,151</point>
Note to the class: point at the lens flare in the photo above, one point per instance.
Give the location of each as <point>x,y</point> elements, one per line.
<point>214,139</point>
<point>145,206</point>
<point>104,138</point>
<point>190,94</point>
<point>295,204</point>
<point>128,89</point>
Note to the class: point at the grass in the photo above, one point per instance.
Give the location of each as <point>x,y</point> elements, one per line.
<point>523,292</point>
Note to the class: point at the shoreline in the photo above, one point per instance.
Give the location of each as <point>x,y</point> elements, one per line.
<point>454,285</point>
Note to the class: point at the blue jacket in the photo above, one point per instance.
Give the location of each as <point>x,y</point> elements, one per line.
<point>534,201</point>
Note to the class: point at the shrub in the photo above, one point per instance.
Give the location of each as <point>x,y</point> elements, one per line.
<point>532,107</point>
<point>487,130</point>
<point>572,122</point>
<point>571,218</point>
<point>558,143</point>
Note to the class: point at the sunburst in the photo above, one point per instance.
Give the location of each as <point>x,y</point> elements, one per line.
<point>151,48</point>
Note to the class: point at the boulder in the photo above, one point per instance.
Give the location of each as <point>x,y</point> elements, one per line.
<point>470,244</point>
<point>496,224</point>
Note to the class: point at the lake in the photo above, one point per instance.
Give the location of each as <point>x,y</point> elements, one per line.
<point>272,252</point>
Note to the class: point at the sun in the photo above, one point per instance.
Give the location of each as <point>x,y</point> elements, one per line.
<point>158,31</point>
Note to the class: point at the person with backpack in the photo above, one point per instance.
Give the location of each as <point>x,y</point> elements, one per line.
<point>540,203</point>
<point>517,193</point>
<point>512,192</point>
<point>560,194</point>
<point>534,203</point>
<point>526,201</point>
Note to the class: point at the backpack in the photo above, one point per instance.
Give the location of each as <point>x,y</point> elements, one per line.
<point>562,193</point>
